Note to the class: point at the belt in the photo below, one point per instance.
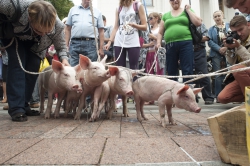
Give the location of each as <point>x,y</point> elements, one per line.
<point>83,38</point>
<point>198,49</point>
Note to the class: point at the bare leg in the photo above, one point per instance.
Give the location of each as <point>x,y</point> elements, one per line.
<point>4,93</point>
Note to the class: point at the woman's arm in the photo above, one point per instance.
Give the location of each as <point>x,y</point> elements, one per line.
<point>193,17</point>
<point>113,33</point>
<point>160,34</point>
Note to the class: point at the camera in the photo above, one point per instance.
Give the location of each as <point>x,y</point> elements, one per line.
<point>231,36</point>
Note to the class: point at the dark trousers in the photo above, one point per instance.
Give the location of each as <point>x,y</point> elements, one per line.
<point>200,64</point>
<point>182,51</point>
<point>20,85</point>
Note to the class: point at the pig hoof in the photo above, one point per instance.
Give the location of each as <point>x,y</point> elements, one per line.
<point>139,119</point>
<point>125,115</point>
<point>145,118</point>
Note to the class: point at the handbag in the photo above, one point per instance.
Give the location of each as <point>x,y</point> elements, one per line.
<point>197,36</point>
<point>6,27</point>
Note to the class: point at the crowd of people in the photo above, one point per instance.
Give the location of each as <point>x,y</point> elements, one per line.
<point>38,28</point>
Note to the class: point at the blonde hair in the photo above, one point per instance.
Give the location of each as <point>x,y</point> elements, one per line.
<point>42,14</point>
<point>229,3</point>
<point>156,15</point>
<point>125,2</point>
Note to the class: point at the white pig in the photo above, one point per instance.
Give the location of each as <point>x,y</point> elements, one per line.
<point>92,76</point>
<point>121,84</point>
<point>166,92</point>
<point>58,80</point>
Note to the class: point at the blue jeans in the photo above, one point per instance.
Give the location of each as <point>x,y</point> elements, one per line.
<point>35,98</point>
<point>182,51</point>
<point>20,85</point>
<point>216,61</point>
<point>84,47</point>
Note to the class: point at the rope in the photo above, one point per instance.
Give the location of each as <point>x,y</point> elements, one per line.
<point>93,22</point>
<point>160,51</point>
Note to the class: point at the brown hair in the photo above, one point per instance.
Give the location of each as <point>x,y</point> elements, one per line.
<point>125,2</point>
<point>42,14</point>
<point>229,3</point>
<point>237,21</point>
<point>156,15</point>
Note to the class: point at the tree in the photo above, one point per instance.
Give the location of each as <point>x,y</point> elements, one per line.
<point>62,7</point>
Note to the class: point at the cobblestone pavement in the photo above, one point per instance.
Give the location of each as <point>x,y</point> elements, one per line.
<point>120,141</point>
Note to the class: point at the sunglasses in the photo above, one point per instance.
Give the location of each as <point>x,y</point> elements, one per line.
<point>171,0</point>
<point>150,18</point>
<point>40,32</point>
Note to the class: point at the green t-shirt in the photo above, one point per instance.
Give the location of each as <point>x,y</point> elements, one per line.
<point>176,28</point>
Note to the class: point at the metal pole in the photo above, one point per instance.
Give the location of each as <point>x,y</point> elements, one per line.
<point>144,4</point>
<point>190,2</point>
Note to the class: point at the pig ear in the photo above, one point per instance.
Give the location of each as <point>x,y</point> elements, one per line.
<point>103,61</point>
<point>183,89</point>
<point>134,73</point>
<point>113,70</point>
<point>78,68</point>
<point>57,66</point>
<point>197,90</point>
<point>84,62</point>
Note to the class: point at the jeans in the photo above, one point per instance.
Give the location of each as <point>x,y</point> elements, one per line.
<point>35,98</point>
<point>200,63</point>
<point>84,47</point>
<point>183,51</point>
<point>20,85</point>
<point>216,61</point>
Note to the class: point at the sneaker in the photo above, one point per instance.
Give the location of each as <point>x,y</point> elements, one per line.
<point>119,103</point>
<point>208,102</point>
<point>6,107</point>
<point>36,105</point>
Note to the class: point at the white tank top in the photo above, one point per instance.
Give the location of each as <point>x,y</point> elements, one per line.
<point>131,38</point>
<point>154,32</point>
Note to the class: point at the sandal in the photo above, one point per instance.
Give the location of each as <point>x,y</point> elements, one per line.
<point>32,112</point>
<point>19,117</point>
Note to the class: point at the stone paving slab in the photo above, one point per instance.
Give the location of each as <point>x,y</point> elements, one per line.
<point>12,147</point>
<point>142,150</point>
<point>201,148</point>
<point>61,152</point>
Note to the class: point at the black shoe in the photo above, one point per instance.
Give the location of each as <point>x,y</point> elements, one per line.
<point>19,117</point>
<point>30,112</point>
<point>208,102</point>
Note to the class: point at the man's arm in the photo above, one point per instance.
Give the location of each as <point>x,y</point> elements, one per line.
<point>101,40</point>
<point>67,35</point>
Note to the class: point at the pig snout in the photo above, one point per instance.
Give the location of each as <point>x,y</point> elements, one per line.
<point>75,87</point>
<point>108,74</point>
<point>197,110</point>
<point>79,91</point>
<point>130,93</point>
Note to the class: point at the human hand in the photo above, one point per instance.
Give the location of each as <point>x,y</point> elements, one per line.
<point>222,50</point>
<point>101,53</point>
<point>132,24</point>
<point>158,45</point>
<point>235,44</point>
<point>187,7</point>
<point>151,44</point>
<point>106,47</point>
<point>65,62</point>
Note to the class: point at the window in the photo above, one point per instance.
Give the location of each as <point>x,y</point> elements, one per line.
<point>148,2</point>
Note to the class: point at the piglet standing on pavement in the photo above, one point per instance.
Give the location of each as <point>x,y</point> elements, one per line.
<point>92,76</point>
<point>166,92</point>
<point>58,80</point>
<point>121,84</point>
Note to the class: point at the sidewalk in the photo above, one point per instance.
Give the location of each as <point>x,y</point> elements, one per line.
<point>120,141</point>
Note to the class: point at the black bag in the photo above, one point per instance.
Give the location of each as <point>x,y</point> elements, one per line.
<point>6,27</point>
<point>228,79</point>
<point>197,36</point>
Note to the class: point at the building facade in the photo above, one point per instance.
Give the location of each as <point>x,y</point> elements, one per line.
<point>203,8</point>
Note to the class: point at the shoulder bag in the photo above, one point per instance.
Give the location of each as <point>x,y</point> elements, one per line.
<point>197,36</point>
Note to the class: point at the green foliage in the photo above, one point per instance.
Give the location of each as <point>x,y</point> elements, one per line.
<point>62,7</point>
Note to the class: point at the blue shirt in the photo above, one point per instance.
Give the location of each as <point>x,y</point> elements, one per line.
<point>80,19</point>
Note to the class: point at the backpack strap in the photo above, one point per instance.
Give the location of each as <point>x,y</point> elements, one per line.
<point>135,7</point>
